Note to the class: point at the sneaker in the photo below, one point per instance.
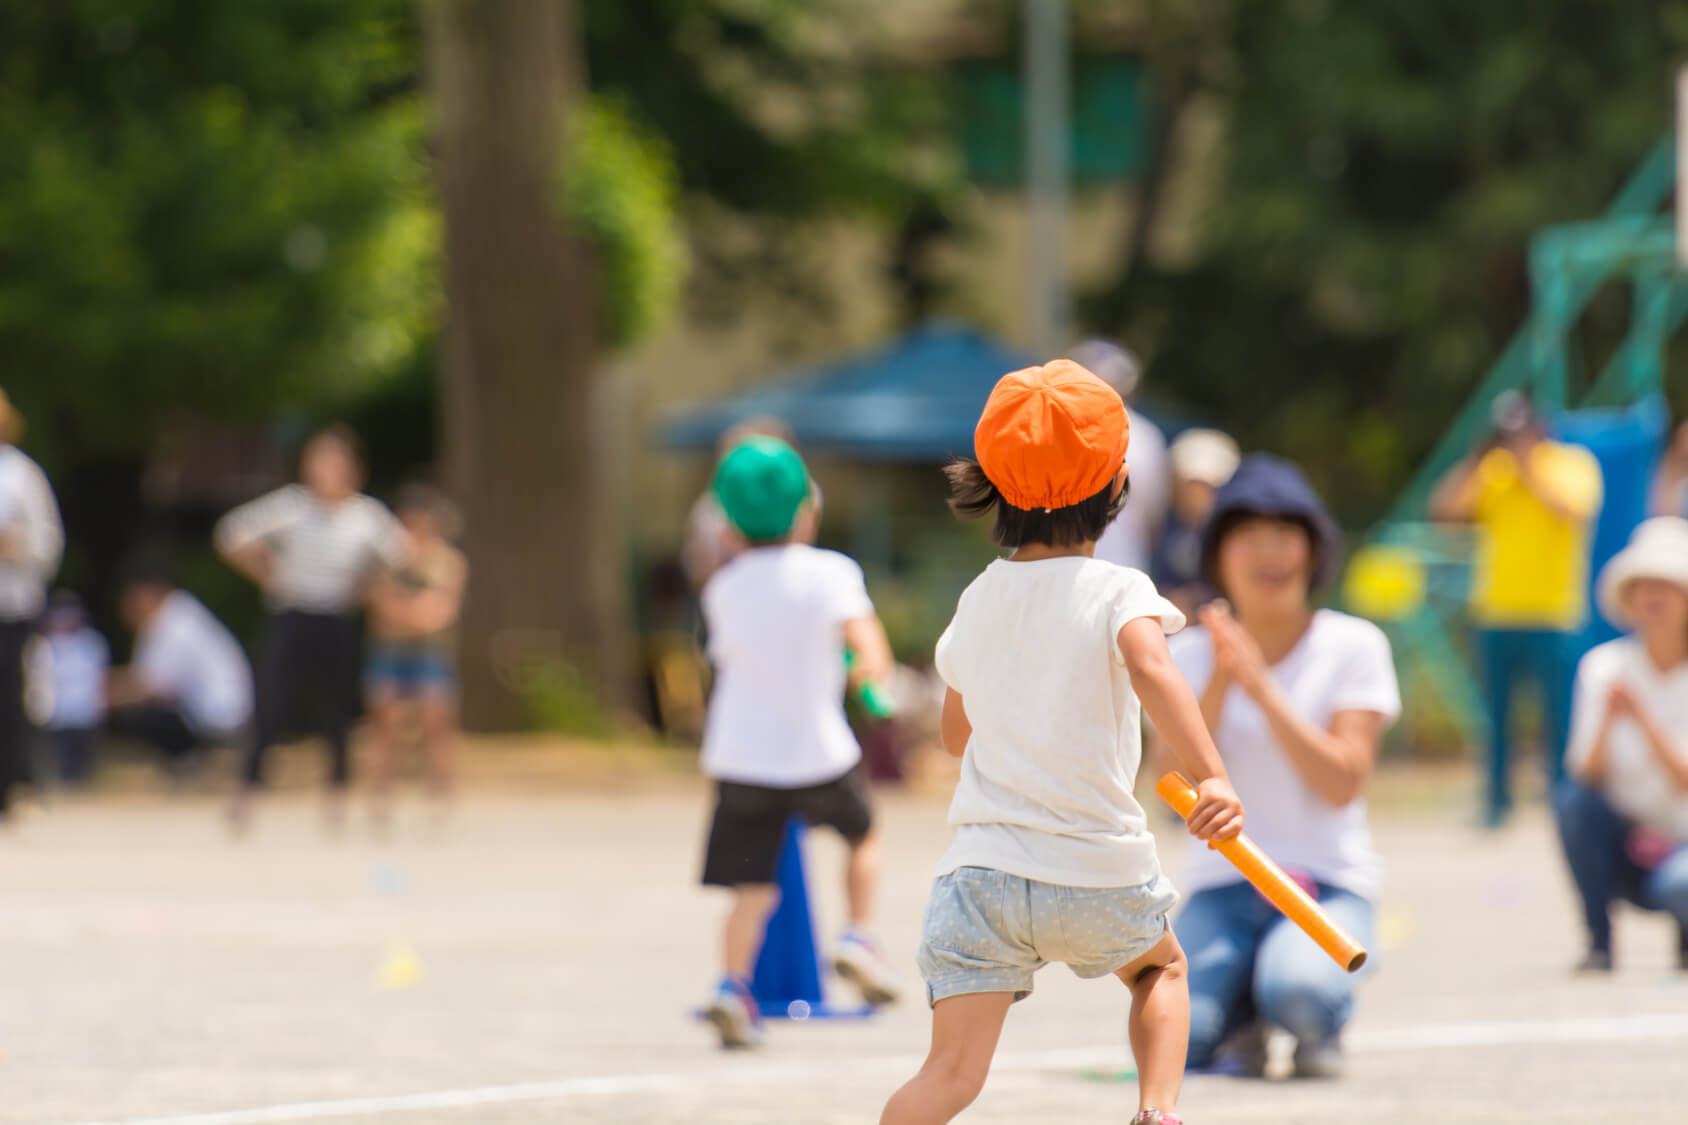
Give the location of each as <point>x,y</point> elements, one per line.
<point>1595,961</point>
<point>1319,1060</point>
<point>1243,1054</point>
<point>857,959</point>
<point>735,1014</point>
<point>1157,1117</point>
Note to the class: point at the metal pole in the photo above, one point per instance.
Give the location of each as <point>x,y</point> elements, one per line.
<point>1047,87</point>
<point>1682,168</point>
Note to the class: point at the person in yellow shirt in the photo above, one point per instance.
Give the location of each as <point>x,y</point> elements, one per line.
<point>1534,502</point>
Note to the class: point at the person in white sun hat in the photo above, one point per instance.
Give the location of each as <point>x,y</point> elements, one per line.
<point>1202,463</point>
<point>1623,807</point>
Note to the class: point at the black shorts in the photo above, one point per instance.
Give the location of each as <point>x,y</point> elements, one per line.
<point>749,824</point>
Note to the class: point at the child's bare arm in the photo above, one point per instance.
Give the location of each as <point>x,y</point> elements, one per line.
<point>954,726</point>
<point>866,640</point>
<point>1173,709</point>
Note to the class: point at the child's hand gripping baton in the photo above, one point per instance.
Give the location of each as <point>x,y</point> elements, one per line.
<point>1269,879</point>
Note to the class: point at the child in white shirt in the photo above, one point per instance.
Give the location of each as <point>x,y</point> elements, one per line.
<point>781,616</point>
<point>68,669</point>
<point>1046,660</point>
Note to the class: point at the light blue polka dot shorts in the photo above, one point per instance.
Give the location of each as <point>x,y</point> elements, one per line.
<point>988,931</point>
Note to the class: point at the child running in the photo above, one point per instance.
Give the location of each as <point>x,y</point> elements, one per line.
<point>1046,660</point>
<point>781,616</point>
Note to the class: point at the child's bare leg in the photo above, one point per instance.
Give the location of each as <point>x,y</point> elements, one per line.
<point>746,920</point>
<point>1160,1022</point>
<point>385,715</point>
<point>861,877</point>
<point>964,1034</point>
<point>439,742</point>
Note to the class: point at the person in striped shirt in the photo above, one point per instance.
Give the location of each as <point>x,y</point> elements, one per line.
<point>316,549</point>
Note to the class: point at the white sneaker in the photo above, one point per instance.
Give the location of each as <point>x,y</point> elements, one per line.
<point>735,1015</point>
<point>857,959</point>
<point>1319,1060</point>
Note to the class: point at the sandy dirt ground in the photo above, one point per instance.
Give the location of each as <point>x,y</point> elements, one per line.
<point>537,960</point>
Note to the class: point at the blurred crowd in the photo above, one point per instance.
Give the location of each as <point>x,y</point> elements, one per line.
<point>362,603</point>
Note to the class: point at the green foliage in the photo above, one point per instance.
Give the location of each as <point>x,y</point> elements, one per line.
<point>557,698</point>
<point>214,208</point>
<point>225,209</point>
<point>1382,168</point>
<point>778,113</point>
<point>616,185</point>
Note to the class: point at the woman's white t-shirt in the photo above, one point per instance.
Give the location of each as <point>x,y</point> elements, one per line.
<point>776,635</point>
<point>1047,778</point>
<point>1341,663</point>
<point>1636,784</point>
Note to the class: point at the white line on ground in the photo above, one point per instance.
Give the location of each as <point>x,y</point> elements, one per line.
<point>1593,1029</point>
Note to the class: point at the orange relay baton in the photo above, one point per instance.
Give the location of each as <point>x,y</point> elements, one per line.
<point>1269,879</point>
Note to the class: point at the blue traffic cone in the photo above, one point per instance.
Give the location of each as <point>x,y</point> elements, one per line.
<point>787,979</point>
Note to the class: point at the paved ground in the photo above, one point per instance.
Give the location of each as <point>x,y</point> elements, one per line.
<point>536,963</point>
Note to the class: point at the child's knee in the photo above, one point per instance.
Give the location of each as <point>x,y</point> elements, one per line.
<point>756,898</point>
<point>958,1079</point>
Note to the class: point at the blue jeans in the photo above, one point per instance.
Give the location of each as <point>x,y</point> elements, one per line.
<point>1247,962</point>
<point>1510,655</point>
<point>1593,833</point>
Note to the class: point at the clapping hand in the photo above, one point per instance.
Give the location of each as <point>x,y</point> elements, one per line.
<point>1621,702</point>
<point>1235,653</point>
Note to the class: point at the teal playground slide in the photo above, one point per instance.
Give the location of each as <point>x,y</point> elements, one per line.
<point>1411,574</point>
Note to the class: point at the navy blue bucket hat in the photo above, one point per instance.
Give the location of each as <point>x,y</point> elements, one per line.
<point>1269,486</point>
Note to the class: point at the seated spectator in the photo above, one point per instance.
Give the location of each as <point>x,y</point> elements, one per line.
<point>1623,811</point>
<point>1670,486</point>
<point>1297,699</point>
<point>190,686</point>
<point>67,677</point>
<point>1202,461</point>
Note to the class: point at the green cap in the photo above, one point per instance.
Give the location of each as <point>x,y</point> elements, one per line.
<point>760,484</point>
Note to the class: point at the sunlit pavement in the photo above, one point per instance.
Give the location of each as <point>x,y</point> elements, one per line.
<point>537,961</point>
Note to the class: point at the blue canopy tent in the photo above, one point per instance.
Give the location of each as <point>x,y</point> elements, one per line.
<point>915,399</point>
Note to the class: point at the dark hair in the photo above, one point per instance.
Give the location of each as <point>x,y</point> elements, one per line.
<point>146,567</point>
<point>64,601</point>
<point>1228,521</point>
<point>420,496</point>
<point>972,495</point>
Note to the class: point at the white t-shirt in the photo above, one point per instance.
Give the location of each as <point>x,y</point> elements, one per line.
<point>185,654</point>
<point>1635,784</point>
<point>324,554</point>
<point>1342,663</point>
<point>776,636</point>
<point>1047,778</point>
<point>28,509</point>
<point>1130,539</point>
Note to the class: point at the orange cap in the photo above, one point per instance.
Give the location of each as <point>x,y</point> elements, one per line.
<point>1051,436</point>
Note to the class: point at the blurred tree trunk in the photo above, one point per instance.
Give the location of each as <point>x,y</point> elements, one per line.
<point>519,383</point>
